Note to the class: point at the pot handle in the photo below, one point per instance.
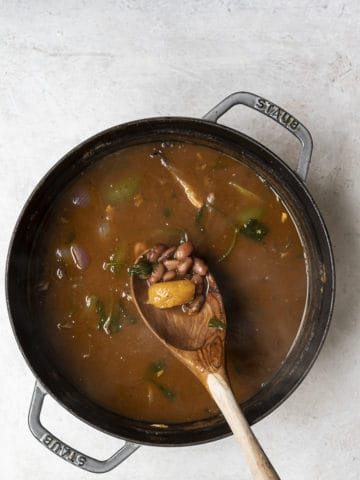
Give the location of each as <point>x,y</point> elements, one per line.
<point>63,450</point>
<point>276,113</point>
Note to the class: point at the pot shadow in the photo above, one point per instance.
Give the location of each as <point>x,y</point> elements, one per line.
<point>331,190</point>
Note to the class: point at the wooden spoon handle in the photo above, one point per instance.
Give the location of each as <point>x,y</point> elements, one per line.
<point>258,462</point>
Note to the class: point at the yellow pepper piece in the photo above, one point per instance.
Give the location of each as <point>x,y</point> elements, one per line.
<point>171,294</point>
<point>284,217</point>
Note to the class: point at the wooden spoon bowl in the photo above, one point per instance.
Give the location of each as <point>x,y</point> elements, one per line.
<point>187,336</point>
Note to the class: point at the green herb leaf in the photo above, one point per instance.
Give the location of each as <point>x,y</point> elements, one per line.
<point>119,314</point>
<point>113,323</point>
<point>166,391</point>
<point>231,246</point>
<point>101,313</point>
<point>117,259</point>
<point>141,269</point>
<point>114,264</point>
<point>100,309</point>
<point>216,323</point>
<point>254,229</point>
<point>152,375</point>
<point>199,218</point>
<point>125,314</point>
<point>157,367</point>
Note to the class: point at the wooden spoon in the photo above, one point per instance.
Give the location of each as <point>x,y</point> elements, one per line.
<point>201,349</point>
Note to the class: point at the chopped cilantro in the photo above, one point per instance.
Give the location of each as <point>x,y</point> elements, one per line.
<point>254,229</point>
<point>113,321</point>
<point>157,367</point>
<point>216,323</point>
<point>100,311</point>
<point>167,392</point>
<point>141,269</point>
<point>155,370</point>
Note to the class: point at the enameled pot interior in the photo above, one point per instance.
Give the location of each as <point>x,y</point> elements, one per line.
<point>311,229</point>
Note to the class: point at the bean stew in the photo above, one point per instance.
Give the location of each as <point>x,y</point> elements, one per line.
<point>166,198</point>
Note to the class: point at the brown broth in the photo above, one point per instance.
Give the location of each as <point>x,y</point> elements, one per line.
<point>263,283</point>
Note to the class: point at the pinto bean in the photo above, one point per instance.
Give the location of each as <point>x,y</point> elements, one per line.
<point>184,266</point>
<point>183,250</point>
<point>155,252</point>
<point>157,274</point>
<point>196,278</point>
<point>171,264</point>
<point>170,275</point>
<point>199,283</point>
<point>167,254</point>
<point>199,289</point>
<point>194,306</point>
<point>200,267</point>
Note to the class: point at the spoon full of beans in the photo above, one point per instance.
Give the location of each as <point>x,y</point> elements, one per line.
<point>179,300</point>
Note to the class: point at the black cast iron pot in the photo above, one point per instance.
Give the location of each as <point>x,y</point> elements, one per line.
<point>291,188</point>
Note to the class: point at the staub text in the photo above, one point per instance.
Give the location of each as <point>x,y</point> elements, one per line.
<point>275,112</point>
<point>63,451</point>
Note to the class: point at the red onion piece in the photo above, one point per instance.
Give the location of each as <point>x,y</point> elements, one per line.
<point>80,257</point>
<point>81,198</point>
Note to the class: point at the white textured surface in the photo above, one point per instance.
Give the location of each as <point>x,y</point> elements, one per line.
<point>70,69</point>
